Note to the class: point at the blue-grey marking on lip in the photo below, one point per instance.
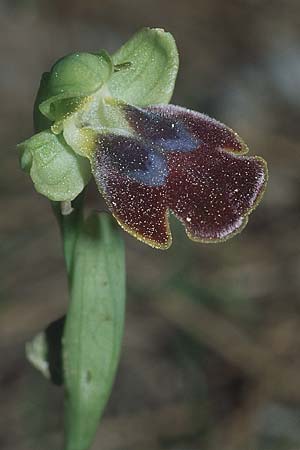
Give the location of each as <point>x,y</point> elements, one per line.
<point>167,134</point>
<point>136,159</point>
<point>155,173</point>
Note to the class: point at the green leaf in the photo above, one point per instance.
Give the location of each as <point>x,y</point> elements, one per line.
<point>147,67</point>
<point>56,171</point>
<point>71,79</point>
<point>94,326</point>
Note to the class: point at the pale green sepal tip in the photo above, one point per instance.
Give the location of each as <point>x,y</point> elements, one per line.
<point>37,352</point>
<point>56,171</point>
<point>149,64</point>
<point>74,76</point>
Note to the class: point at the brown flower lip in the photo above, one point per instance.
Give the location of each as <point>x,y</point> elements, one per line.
<point>178,161</point>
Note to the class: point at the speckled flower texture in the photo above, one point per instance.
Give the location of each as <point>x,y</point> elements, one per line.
<point>108,117</point>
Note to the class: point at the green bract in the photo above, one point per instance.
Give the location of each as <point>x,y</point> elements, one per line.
<point>82,96</point>
<point>56,171</point>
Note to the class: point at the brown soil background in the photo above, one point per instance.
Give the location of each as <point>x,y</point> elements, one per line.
<point>211,353</point>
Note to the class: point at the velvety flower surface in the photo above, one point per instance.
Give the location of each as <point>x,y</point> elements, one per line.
<point>180,161</point>
<point>105,115</point>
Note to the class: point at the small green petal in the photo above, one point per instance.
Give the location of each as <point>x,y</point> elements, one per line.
<point>80,139</point>
<point>71,78</point>
<point>145,68</point>
<point>56,171</point>
<point>98,116</point>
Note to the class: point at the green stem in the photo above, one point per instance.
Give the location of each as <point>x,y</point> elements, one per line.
<point>69,226</point>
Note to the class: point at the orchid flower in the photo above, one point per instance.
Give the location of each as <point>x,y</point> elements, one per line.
<point>108,117</point>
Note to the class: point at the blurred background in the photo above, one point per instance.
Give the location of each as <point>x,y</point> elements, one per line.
<point>211,352</point>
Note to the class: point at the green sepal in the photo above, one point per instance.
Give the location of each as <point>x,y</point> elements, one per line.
<point>70,80</point>
<point>94,326</point>
<point>56,171</point>
<point>147,67</point>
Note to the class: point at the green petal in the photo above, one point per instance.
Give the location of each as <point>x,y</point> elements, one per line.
<point>71,78</point>
<point>147,67</point>
<point>56,171</point>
